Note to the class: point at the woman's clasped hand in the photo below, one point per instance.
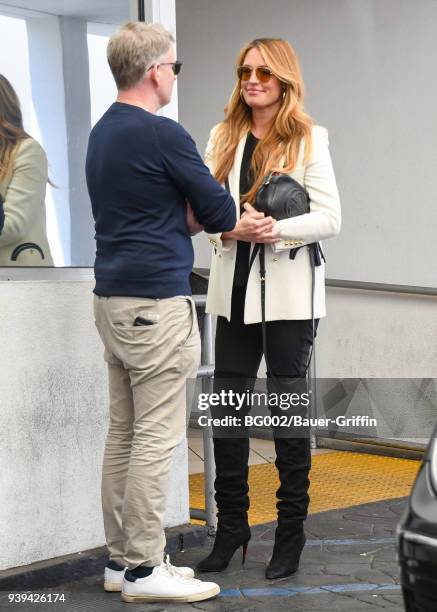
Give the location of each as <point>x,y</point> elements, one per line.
<point>254,226</point>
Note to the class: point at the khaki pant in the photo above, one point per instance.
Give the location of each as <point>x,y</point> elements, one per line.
<point>147,367</point>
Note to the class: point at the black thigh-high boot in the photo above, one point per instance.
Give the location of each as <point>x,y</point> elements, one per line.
<point>231,461</point>
<point>231,456</point>
<point>293,461</point>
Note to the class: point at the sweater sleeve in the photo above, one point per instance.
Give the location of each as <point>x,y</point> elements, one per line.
<point>213,207</point>
<point>25,192</point>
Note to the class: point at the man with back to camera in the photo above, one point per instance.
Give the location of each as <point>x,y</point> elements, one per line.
<point>141,168</point>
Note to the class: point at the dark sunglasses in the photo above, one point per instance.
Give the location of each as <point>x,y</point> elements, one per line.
<point>175,66</point>
<point>263,74</point>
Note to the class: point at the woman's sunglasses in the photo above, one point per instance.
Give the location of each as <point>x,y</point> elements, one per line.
<point>175,66</point>
<point>263,74</point>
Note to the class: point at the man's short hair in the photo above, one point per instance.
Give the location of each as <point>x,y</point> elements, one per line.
<point>134,48</point>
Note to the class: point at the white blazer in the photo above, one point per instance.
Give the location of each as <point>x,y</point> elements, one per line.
<point>288,282</point>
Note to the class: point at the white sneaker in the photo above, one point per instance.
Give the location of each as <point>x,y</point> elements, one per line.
<point>166,583</point>
<point>113,579</point>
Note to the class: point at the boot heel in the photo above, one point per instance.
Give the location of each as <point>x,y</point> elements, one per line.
<point>244,552</point>
<point>225,546</point>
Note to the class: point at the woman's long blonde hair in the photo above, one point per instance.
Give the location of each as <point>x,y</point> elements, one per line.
<point>290,126</point>
<point>11,124</point>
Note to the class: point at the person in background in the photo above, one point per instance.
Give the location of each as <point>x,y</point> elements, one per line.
<point>265,130</point>
<point>23,182</point>
<point>141,170</point>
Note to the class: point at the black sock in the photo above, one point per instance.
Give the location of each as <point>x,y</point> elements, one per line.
<point>142,571</point>
<point>114,566</point>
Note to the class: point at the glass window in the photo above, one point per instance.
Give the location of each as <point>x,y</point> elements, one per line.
<point>53,54</point>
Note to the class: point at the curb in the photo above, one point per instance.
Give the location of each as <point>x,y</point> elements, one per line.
<point>69,568</point>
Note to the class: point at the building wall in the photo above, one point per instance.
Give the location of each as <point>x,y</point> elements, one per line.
<point>378,334</point>
<point>369,85</point>
<point>53,421</point>
<point>381,348</point>
<point>363,84</point>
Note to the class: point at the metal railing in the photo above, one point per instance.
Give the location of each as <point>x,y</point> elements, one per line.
<point>386,287</point>
<point>206,373</point>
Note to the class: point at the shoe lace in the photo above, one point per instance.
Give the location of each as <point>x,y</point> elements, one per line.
<point>172,570</point>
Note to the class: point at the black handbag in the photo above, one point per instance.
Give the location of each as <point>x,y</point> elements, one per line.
<point>282,197</point>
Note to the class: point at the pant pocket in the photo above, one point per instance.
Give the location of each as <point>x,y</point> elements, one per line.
<point>189,349</point>
<point>192,326</point>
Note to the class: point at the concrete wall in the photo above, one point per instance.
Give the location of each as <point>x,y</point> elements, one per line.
<point>378,334</point>
<point>53,419</point>
<point>364,85</point>
<point>391,340</point>
<point>369,84</point>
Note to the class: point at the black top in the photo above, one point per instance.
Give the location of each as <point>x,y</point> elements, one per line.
<point>140,169</point>
<point>241,273</point>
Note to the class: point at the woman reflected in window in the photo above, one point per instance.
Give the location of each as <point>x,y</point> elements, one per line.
<point>23,182</point>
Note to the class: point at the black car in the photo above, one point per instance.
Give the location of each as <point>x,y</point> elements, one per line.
<point>417,538</point>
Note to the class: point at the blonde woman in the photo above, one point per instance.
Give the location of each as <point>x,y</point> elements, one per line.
<point>23,181</point>
<point>265,128</point>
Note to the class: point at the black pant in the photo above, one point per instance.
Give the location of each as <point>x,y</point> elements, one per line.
<point>238,353</point>
<point>238,347</point>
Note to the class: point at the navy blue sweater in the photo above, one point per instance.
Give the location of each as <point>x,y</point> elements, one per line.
<point>140,169</point>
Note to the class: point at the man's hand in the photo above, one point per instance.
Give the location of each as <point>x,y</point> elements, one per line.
<point>194,226</point>
<point>254,226</point>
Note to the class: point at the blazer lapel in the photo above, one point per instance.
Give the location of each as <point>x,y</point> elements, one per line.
<point>234,175</point>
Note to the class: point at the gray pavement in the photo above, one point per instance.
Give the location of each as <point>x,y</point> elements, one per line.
<point>348,564</point>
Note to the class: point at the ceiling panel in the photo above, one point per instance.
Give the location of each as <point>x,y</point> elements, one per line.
<point>105,11</point>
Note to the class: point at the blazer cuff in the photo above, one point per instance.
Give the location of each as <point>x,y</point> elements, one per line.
<point>219,244</point>
<point>287,244</point>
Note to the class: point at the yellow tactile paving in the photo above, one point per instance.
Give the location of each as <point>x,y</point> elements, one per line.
<point>338,480</point>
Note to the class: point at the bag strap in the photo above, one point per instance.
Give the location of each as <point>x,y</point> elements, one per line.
<point>262,273</point>
<point>260,249</point>
<point>256,250</point>
<point>313,290</point>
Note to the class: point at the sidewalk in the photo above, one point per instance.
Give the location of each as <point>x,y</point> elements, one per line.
<point>261,451</point>
<point>348,564</point>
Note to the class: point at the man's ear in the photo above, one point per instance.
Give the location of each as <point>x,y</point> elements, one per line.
<point>155,76</point>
